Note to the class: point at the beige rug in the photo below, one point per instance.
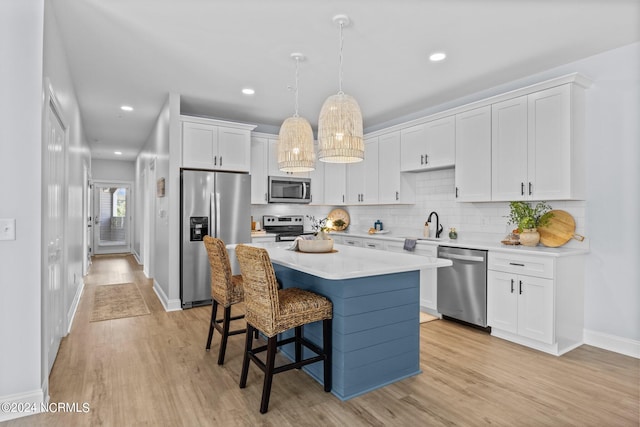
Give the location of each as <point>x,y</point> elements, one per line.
<point>426,317</point>
<point>118,301</point>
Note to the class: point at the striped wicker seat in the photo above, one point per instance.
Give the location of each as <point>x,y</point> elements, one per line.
<point>226,291</point>
<point>273,311</point>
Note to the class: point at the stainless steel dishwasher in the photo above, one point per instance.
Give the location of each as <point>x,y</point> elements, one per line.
<point>462,288</point>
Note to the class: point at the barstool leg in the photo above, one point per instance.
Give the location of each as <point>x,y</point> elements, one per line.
<point>248,343</point>
<point>214,309</point>
<point>298,343</point>
<point>225,334</point>
<point>328,350</point>
<point>268,373</point>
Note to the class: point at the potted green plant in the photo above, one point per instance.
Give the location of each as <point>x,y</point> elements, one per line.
<point>528,218</point>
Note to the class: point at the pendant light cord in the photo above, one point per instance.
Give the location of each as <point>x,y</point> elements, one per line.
<point>340,92</point>
<point>296,89</point>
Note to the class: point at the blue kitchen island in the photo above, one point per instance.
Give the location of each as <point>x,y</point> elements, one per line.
<point>375,296</point>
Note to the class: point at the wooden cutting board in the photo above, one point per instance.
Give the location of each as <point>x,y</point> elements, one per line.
<point>560,230</point>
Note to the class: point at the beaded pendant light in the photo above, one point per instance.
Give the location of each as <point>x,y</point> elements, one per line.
<point>340,132</point>
<point>295,141</point>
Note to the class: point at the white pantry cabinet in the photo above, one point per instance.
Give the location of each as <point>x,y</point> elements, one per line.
<point>362,177</point>
<point>473,155</point>
<point>215,145</point>
<point>538,146</point>
<point>428,146</point>
<point>537,301</point>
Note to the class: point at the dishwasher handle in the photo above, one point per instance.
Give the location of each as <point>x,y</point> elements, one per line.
<point>462,257</point>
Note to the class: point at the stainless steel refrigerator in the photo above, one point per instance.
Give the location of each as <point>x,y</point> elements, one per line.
<point>216,204</point>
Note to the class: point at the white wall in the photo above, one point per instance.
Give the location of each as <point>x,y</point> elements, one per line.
<point>609,217</point>
<point>20,174</point>
<point>163,150</point>
<point>78,166</point>
<point>112,170</point>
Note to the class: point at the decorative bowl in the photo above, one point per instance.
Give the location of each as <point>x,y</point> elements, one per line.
<point>315,245</point>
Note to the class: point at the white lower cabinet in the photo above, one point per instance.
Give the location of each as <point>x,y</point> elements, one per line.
<point>428,277</point>
<point>521,305</point>
<point>536,301</point>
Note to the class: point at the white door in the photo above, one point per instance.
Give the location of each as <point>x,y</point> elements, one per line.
<point>111,218</point>
<point>389,168</point>
<point>502,301</point>
<point>535,308</point>
<point>441,142</point>
<point>54,214</point>
<point>473,155</point>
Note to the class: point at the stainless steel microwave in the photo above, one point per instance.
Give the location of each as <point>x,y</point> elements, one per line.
<point>289,190</point>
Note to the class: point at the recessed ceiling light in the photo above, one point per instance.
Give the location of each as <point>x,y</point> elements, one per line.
<point>126,108</point>
<point>437,56</point>
<point>248,91</point>
<point>118,153</point>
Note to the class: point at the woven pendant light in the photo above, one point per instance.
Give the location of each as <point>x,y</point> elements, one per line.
<point>295,141</point>
<point>340,131</point>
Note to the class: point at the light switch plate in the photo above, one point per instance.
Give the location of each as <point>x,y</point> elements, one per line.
<point>7,229</point>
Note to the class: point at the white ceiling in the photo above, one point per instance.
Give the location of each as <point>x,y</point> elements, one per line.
<point>137,51</point>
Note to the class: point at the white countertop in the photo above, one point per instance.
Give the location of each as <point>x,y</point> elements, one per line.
<point>348,262</point>
<point>486,244</point>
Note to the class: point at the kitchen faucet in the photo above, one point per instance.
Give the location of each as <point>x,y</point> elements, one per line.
<point>439,227</point>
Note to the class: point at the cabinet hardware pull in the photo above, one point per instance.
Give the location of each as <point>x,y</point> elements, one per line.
<point>343,198</point>
<point>215,160</point>
<point>266,199</point>
<point>530,192</point>
<point>522,188</point>
<point>456,192</point>
<point>520,287</point>
<point>397,195</point>
<point>426,159</point>
<point>515,263</point>
<point>422,159</point>
<point>220,160</point>
<point>511,285</point>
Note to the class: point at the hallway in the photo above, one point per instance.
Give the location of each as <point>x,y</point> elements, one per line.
<point>153,370</point>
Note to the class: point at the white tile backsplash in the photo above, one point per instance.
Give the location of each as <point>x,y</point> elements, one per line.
<point>435,191</point>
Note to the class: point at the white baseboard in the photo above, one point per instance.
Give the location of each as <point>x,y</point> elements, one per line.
<point>71,314</point>
<point>137,257</point>
<point>169,305</point>
<point>20,404</point>
<point>614,343</point>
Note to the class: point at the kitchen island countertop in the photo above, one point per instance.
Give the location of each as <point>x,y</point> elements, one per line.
<point>347,262</point>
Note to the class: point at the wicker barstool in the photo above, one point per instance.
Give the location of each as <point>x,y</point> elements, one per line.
<point>226,290</point>
<point>273,311</point>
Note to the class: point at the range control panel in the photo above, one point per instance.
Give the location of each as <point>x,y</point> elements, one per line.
<point>275,220</point>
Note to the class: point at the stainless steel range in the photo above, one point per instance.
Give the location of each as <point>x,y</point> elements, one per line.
<point>287,228</point>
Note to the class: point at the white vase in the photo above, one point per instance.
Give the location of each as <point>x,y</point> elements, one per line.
<point>529,237</point>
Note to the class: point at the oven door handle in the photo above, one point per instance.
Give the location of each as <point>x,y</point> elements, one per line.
<point>462,257</point>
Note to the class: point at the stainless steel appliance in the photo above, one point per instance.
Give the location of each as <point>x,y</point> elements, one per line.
<point>286,228</point>
<point>462,288</point>
<point>213,203</point>
<point>289,190</point>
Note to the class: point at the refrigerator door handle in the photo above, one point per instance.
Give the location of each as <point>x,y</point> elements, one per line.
<point>217,213</point>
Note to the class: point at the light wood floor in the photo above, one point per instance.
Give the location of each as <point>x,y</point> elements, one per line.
<point>153,370</point>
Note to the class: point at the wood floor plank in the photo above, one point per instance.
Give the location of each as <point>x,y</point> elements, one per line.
<point>154,370</point>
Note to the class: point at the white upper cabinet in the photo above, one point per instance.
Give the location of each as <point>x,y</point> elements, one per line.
<point>317,182</point>
<point>259,149</point>
<point>335,184</point>
<point>473,155</point>
<point>274,170</point>
<point>537,146</point>
<point>362,177</point>
<point>215,145</point>
<point>429,145</point>
<point>394,187</point>
<point>509,149</point>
